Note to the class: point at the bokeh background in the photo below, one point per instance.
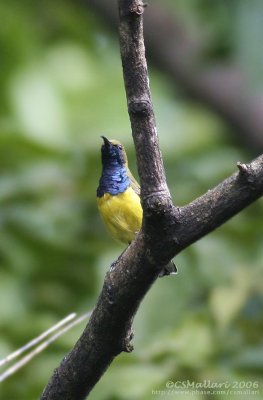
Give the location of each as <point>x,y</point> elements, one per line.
<point>61,88</point>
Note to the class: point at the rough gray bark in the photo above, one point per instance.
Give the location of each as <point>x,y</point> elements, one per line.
<point>166,229</point>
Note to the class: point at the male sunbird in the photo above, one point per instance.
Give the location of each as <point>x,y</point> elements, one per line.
<point>118,196</point>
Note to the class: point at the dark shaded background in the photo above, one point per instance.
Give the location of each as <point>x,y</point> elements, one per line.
<point>61,88</point>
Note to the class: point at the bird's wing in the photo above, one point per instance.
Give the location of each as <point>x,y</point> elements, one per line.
<point>134,184</point>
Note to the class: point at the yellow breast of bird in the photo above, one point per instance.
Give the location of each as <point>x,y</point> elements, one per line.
<point>122,214</point>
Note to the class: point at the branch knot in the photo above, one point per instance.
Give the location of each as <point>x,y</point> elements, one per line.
<point>127,346</point>
<point>246,171</point>
<point>138,7</point>
<point>140,107</point>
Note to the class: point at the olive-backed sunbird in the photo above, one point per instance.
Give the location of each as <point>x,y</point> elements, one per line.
<point>118,196</point>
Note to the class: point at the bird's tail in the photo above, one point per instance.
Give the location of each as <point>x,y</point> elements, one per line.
<point>169,269</point>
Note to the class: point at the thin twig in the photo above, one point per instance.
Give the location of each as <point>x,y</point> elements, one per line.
<point>36,340</point>
<point>10,371</point>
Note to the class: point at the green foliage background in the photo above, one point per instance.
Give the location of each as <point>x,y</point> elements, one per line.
<point>61,88</point>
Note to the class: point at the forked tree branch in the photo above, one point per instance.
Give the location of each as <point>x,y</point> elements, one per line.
<point>166,229</point>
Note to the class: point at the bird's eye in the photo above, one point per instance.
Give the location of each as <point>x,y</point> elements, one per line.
<point>119,146</point>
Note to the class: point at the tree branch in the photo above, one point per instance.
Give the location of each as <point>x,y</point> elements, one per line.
<point>150,165</point>
<point>220,87</point>
<point>221,203</point>
<point>164,234</point>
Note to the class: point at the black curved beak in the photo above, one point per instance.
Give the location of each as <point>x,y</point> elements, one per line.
<point>106,141</point>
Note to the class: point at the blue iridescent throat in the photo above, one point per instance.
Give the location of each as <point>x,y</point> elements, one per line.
<point>114,179</point>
